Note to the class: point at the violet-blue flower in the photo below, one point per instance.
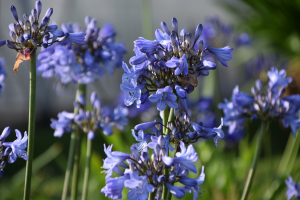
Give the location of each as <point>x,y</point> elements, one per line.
<point>164,97</point>
<point>293,189</point>
<point>17,147</point>
<point>222,54</point>
<point>114,160</point>
<point>180,65</point>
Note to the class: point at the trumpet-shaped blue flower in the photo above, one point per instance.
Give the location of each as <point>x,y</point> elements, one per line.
<point>180,65</point>
<point>293,188</point>
<point>164,97</point>
<point>114,187</point>
<point>185,158</point>
<point>222,54</point>
<point>17,147</point>
<point>132,91</point>
<point>63,124</point>
<point>138,186</point>
<point>114,160</point>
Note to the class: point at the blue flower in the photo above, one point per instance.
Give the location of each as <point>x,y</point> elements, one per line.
<point>277,79</point>
<point>114,187</point>
<point>138,186</point>
<point>63,124</point>
<point>143,139</point>
<point>185,158</point>
<point>164,97</point>
<point>132,91</point>
<point>113,160</point>
<point>293,188</point>
<point>120,117</point>
<point>180,65</point>
<point>177,192</point>
<point>17,147</point>
<point>222,54</point>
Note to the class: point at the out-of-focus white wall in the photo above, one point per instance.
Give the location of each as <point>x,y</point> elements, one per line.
<point>126,15</point>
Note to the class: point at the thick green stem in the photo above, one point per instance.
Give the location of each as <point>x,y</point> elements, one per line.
<point>165,119</point>
<point>31,124</point>
<point>254,161</point>
<point>80,90</point>
<point>87,168</point>
<point>77,151</point>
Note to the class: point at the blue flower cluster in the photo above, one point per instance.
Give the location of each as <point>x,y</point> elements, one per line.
<point>12,149</point>
<point>30,34</point>
<point>293,188</point>
<point>168,66</point>
<point>144,173</point>
<point>99,118</point>
<point>2,74</point>
<point>86,62</point>
<point>264,106</point>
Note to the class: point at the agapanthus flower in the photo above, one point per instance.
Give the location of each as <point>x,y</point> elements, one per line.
<point>2,74</point>
<point>293,188</point>
<point>168,62</point>
<point>144,173</point>
<point>29,34</point>
<point>12,150</point>
<point>263,105</point>
<point>164,97</point>
<point>98,119</point>
<point>83,63</point>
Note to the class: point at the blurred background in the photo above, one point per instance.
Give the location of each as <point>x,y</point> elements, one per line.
<point>263,33</point>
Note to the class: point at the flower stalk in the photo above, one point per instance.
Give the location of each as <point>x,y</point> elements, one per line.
<point>80,90</point>
<point>77,149</point>
<point>87,168</point>
<point>31,124</point>
<point>251,173</point>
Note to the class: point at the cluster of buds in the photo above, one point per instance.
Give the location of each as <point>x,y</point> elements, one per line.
<point>30,34</point>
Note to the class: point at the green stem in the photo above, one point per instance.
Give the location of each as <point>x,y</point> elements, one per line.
<point>87,168</point>
<point>31,124</point>
<point>290,155</point>
<point>152,195</point>
<point>254,162</point>
<point>170,119</point>
<point>77,151</point>
<point>167,170</point>
<point>80,90</point>
<point>165,119</point>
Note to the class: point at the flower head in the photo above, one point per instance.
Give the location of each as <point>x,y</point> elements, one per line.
<point>169,62</point>
<point>83,61</point>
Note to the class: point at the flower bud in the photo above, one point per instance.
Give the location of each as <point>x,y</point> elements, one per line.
<point>173,38</point>
<point>49,12</point>
<point>165,28</point>
<point>198,31</point>
<point>13,35</point>
<point>34,13</point>
<point>13,11</point>
<point>161,141</point>
<point>200,45</point>
<point>38,7</point>
<point>175,25</point>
